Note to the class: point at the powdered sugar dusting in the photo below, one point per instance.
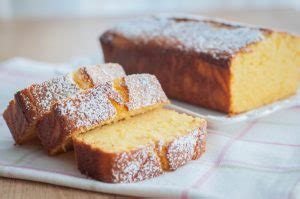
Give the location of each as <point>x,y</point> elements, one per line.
<point>136,166</point>
<point>104,72</point>
<point>182,149</point>
<point>90,107</point>
<point>49,92</point>
<point>143,90</point>
<point>144,163</point>
<point>215,38</point>
<point>59,88</point>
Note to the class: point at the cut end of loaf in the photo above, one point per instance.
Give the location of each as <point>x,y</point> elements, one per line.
<point>162,138</point>
<point>265,72</point>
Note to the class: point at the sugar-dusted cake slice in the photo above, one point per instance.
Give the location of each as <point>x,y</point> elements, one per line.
<point>141,147</point>
<point>32,103</point>
<point>220,65</point>
<point>100,105</point>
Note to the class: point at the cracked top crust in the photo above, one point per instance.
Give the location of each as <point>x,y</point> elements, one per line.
<point>215,38</point>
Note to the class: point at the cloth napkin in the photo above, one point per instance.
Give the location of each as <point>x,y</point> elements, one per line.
<point>253,159</point>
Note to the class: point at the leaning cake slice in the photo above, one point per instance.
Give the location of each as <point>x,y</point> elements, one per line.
<point>141,147</point>
<point>32,103</point>
<point>100,105</point>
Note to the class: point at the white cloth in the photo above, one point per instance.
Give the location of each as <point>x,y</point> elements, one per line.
<point>253,159</point>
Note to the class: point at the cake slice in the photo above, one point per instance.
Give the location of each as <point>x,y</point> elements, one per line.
<point>141,147</point>
<point>32,103</point>
<point>221,65</point>
<point>103,104</point>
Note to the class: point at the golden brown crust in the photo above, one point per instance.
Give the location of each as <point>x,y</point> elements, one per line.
<point>139,164</point>
<point>111,167</point>
<point>92,163</point>
<point>183,75</point>
<point>17,123</point>
<point>51,132</point>
<point>98,106</point>
<point>26,102</point>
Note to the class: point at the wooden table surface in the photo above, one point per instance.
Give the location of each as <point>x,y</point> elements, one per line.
<point>62,40</point>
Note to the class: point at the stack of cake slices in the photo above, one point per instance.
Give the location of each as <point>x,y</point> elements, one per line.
<point>116,124</point>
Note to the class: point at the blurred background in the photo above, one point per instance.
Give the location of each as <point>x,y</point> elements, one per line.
<point>64,30</point>
<point>94,8</point>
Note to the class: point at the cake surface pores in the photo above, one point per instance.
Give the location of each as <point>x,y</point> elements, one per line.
<point>141,147</point>
<point>220,65</point>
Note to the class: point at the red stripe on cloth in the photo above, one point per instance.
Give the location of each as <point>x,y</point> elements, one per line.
<point>295,107</point>
<point>271,143</point>
<point>238,163</point>
<point>217,163</point>
<point>261,166</point>
<point>256,141</point>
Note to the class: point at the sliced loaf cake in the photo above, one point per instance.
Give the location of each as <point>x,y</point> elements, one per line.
<point>141,147</point>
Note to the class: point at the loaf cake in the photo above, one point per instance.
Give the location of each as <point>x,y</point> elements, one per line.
<point>220,65</point>
<point>97,106</point>
<point>32,103</point>
<point>141,147</point>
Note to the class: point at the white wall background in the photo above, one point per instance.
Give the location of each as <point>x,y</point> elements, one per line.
<point>86,8</point>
